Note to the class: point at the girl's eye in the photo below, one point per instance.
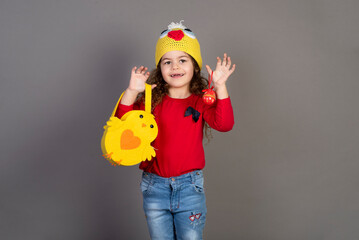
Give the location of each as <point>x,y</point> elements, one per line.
<point>189,33</point>
<point>183,61</point>
<point>141,116</point>
<point>168,62</point>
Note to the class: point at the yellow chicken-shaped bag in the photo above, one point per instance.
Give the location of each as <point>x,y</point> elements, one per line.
<point>127,141</point>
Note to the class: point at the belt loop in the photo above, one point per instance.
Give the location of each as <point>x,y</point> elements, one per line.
<point>151,178</point>
<point>193,177</point>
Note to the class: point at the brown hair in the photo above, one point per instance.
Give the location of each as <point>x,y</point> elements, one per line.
<point>197,84</point>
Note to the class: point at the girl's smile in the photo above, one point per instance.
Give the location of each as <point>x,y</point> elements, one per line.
<point>178,75</point>
<point>177,70</point>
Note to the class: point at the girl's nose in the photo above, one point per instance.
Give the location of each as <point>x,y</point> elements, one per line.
<point>175,66</point>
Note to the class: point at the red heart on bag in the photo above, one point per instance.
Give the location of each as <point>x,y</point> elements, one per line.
<point>191,218</point>
<point>198,215</point>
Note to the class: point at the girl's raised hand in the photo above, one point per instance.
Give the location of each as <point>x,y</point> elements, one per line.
<point>222,72</point>
<point>137,85</point>
<point>138,79</point>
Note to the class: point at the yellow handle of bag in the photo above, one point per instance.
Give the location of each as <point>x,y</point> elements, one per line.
<point>148,99</point>
<point>127,141</point>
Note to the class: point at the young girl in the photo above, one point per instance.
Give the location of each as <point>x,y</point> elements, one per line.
<point>172,182</point>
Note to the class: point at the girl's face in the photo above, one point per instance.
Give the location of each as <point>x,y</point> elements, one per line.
<point>177,69</point>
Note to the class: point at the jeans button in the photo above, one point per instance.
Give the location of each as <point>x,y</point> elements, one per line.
<point>172,179</point>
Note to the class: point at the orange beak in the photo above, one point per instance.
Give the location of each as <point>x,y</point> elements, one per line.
<point>143,125</point>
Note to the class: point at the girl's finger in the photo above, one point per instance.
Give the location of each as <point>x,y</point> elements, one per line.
<point>139,70</point>
<point>224,59</point>
<point>144,71</point>
<point>232,69</point>
<point>133,69</point>
<point>229,62</point>
<point>218,62</point>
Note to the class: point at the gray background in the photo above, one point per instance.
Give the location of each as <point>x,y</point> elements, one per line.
<point>288,169</point>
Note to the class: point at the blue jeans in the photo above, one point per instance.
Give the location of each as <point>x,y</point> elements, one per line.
<point>175,208</point>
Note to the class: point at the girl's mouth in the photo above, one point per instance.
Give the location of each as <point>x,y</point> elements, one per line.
<point>176,75</point>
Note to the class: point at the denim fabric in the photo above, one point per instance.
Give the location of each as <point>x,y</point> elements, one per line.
<point>175,208</point>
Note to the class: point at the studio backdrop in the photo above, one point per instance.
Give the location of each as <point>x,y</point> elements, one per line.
<point>287,170</point>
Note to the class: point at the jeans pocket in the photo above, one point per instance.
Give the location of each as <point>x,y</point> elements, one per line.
<point>145,184</point>
<point>198,185</point>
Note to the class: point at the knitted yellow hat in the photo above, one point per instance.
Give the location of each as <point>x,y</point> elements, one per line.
<point>178,38</point>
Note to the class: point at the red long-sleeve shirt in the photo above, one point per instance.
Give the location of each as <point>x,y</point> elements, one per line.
<point>178,145</point>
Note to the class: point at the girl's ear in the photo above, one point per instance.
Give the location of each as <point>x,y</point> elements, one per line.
<point>196,68</point>
<point>195,65</point>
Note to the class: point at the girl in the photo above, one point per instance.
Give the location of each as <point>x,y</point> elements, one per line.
<point>172,182</point>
